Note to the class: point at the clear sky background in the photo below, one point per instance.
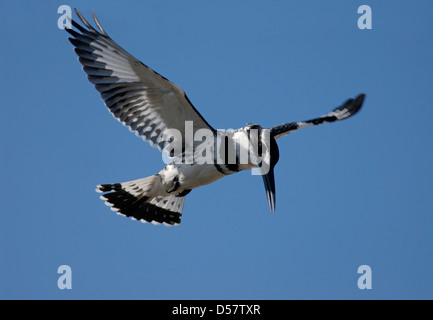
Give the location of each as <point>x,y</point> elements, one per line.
<point>358,192</point>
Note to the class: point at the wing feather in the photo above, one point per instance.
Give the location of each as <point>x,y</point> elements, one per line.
<point>137,96</point>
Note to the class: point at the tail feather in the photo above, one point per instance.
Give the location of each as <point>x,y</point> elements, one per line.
<point>137,199</point>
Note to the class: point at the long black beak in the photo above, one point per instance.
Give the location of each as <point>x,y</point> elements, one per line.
<point>269,181</point>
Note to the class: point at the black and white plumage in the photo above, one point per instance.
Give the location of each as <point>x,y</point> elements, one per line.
<point>150,105</point>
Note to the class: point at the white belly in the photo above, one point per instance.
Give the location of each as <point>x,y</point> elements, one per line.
<point>193,176</point>
<point>188,176</point>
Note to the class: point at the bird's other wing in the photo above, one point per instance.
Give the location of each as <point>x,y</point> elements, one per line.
<point>348,109</point>
<point>137,96</point>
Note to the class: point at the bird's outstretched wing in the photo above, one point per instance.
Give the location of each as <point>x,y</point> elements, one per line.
<point>348,109</point>
<point>137,96</point>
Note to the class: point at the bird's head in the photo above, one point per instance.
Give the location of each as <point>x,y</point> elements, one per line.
<point>267,155</point>
<point>268,178</point>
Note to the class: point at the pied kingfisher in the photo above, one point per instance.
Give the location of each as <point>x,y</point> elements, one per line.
<point>150,105</point>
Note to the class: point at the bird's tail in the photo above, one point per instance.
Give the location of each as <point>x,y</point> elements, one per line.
<point>138,199</point>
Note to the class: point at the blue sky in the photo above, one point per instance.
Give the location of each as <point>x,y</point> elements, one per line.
<point>358,192</point>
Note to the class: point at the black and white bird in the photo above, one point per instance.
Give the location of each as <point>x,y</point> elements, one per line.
<point>155,108</point>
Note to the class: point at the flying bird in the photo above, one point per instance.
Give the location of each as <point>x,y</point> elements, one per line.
<point>160,112</point>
